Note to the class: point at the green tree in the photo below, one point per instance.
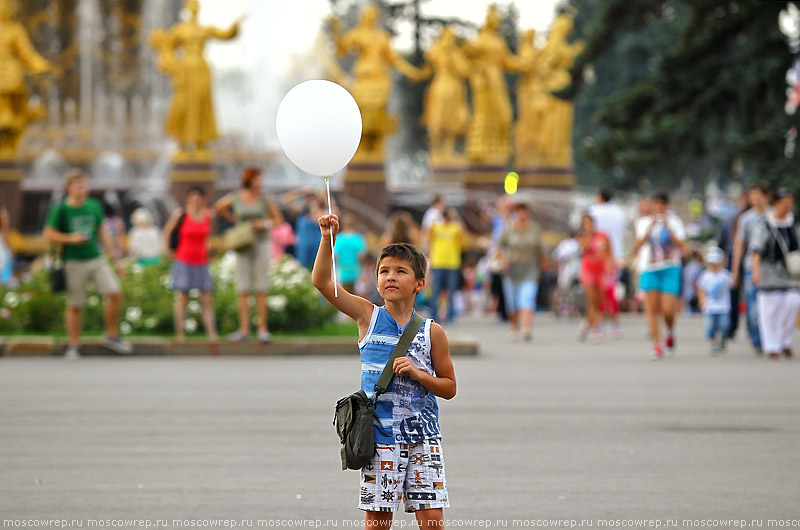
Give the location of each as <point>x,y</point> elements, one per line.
<point>672,89</point>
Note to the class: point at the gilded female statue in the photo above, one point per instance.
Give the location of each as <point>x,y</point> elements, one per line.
<point>17,56</point>
<point>489,130</point>
<point>445,113</point>
<point>555,136</point>
<point>372,84</point>
<point>190,118</point>
<point>531,102</point>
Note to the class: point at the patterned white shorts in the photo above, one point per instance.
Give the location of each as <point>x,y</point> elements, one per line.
<point>410,472</point>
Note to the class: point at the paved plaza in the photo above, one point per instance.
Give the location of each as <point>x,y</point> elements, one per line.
<point>543,431</point>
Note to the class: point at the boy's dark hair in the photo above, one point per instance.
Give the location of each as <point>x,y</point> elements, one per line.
<point>606,194</point>
<point>405,252</point>
<point>763,187</point>
<point>661,196</point>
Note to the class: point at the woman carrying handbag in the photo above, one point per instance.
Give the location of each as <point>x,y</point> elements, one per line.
<point>247,207</point>
<point>776,273</point>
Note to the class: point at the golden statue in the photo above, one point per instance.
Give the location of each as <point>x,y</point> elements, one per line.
<point>489,130</point>
<point>17,56</point>
<point>445,113</point>
<point>531,102</point>
<point>190,119</point>
<point>555,132</point>
<point>372,85</point>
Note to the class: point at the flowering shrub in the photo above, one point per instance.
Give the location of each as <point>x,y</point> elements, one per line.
<point>294,304</point>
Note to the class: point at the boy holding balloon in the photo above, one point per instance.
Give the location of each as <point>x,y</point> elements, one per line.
<point>409,462</point>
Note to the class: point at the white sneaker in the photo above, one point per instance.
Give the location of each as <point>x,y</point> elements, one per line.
<point>264,337</point>
<point>657,353</point>
<point>72,353</point>
<point>123,347</point>
<point>237,336</point>
<point>583,330</point>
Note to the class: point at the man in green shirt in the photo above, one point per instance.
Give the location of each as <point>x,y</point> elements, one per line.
<point>76,223</point>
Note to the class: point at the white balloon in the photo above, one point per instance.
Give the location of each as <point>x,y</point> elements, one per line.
<point>319,126</point>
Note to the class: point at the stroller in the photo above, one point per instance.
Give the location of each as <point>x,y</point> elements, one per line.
<point>569,299</point>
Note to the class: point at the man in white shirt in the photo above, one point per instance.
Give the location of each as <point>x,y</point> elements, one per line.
<point>611,220</point>
<point>660,241</point>
<point>432,215</point>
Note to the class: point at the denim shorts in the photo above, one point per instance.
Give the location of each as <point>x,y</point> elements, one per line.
<point>520,296</point>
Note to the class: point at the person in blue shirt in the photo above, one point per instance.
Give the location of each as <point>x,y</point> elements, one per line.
<point>408,462</point>
<point>714,295</point>
<point>350,248</point>
<point>306,231</point>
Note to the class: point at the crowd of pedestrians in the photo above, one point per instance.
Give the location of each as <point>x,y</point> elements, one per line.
<point>648,263</point>
<point>611,262</point>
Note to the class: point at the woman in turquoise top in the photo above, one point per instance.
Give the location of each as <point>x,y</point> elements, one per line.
<point>252,266</point>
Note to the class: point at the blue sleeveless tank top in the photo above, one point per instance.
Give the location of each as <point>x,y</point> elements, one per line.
<point>407,412</point>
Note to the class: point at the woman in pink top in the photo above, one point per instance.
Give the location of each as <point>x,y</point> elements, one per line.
<point>190,268</point>
<point>596,266</point>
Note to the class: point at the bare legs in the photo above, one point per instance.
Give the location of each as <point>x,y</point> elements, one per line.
<point>426,519</point>
<point>655,305</point>
<point>209,321</point>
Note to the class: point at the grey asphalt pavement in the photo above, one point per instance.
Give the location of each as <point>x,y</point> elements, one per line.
<point>554,429</point>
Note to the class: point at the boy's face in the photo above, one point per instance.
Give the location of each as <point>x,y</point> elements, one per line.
<point>396,280</point>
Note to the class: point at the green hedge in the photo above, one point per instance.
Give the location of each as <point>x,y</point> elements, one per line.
<point>294,304</point>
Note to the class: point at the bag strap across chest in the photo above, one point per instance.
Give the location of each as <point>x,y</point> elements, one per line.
<point>400,350</point>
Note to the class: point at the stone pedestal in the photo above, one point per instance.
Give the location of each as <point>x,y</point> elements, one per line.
<point>547,177</point>
<point>365,195</point>
<point>486,178</point>
<point>10,192</point>
<point>184,175</point>
<point>449,174</point>
<point>488,181</point>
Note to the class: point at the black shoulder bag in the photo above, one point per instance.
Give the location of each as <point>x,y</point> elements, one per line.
<point>355,413</point>
<point>174,236</point>
<point>58,279</point>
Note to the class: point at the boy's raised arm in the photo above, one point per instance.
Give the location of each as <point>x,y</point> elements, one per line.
<point>351,305</point>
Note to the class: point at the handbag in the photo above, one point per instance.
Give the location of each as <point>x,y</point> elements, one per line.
<point>354,414</point>
<point>58,278</point>
<point>240,238</point>
<point>174,236</point>
<point>790,259</point>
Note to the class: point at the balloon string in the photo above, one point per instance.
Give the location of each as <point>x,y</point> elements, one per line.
<point>333,256</point>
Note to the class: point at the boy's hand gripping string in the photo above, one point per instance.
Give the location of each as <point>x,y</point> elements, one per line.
<point>333,254</point>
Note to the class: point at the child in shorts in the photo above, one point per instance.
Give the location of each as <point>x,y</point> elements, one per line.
<point>409,462</point>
